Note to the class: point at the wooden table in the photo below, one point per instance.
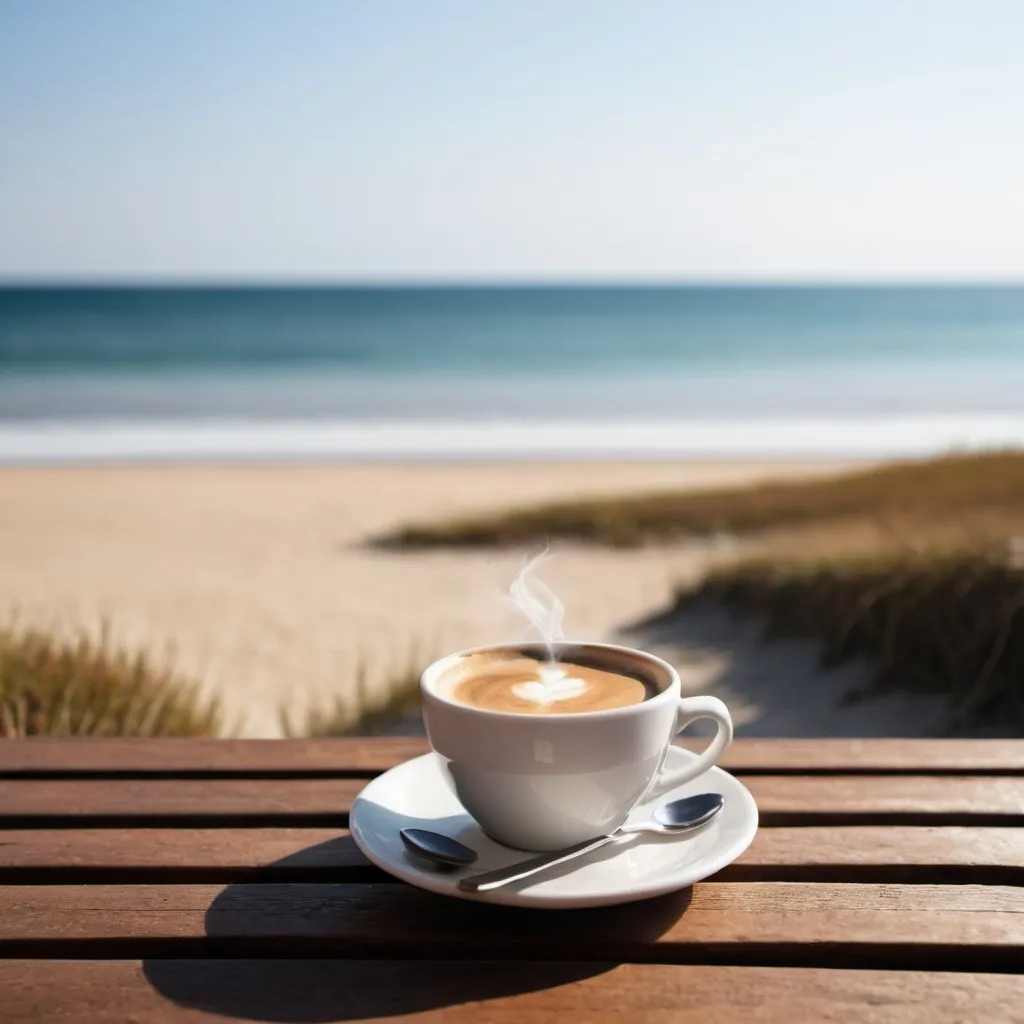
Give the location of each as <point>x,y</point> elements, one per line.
<point>158,881</point>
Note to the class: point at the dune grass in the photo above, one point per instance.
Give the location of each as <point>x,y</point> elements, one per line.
<point>912,565</point>
<point>946,623</point>
<point>80,686</point>
<point>364,710</point>
<point>51,686</point>
<point>980,493</point>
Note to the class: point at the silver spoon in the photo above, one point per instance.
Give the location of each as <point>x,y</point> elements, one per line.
<point>677,816</point>
<point>670,819</point>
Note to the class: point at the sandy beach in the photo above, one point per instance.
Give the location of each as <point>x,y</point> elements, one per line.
<point>256,581</point>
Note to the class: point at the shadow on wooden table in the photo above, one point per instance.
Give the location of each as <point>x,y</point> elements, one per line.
<point>315,951</point>
<point>340,990</point>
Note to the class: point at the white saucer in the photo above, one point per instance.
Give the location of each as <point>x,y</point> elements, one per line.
<point>416,795</point>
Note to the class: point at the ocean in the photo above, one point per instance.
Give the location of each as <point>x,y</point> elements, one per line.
<point>508,372</point>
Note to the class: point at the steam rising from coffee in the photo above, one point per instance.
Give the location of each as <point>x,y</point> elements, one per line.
<point>539,605</point>
<point>542,609</point>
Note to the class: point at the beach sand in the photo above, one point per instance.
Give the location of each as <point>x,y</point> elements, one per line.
<point>255,579</point>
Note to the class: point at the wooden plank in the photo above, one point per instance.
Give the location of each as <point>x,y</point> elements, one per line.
<point>888,799</point>
<point>993,856</point>
<point>883,756</point>
<point>325,757</point>
<point>170,854</point>
<point>179,801</point>
<point>782,800</point>
<point>768,924</point>
<point>207,991</point>
<point>369,756</point>
<point>945,855</point>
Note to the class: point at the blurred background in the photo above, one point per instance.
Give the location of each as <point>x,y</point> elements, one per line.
<point>317,319</point>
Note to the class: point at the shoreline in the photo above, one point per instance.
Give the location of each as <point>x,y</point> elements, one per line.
<point>717,467</point>
<point>259,440</point>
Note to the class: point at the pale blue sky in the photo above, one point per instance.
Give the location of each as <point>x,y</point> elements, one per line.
<point>441,139</point>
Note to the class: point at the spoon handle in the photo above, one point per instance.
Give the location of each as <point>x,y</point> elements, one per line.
<point>500,876</point>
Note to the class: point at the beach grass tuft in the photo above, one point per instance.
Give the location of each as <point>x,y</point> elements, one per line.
<point>979,493</point>
<point>366,709</point>
<point>940,622</point>
<point>81,686</point>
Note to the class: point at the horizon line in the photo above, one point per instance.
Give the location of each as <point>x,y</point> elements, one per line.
<point>510,282</point>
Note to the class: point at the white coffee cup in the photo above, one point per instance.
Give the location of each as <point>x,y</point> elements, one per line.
<point>543,782</point>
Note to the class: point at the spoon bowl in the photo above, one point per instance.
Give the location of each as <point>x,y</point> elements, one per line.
<point>438,849</point>
<point>683,815</point>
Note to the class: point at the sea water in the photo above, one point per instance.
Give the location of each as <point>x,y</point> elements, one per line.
<point>508,372</point>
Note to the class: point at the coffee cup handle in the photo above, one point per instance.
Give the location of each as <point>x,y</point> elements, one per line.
<point>688,711</point>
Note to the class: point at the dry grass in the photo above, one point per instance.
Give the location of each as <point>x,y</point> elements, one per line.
<point>53,686</point>
<point>83,687</point>
<point>958,495</point>
<point>940,622</point>
<point>912,565</point>
<point>367,710</point>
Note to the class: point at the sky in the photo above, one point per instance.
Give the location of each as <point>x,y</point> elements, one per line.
<point>449,140</point>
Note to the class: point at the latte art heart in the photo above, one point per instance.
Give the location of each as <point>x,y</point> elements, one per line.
<point>548,690</point>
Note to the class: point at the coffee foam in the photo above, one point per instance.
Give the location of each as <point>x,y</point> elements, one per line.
<point>518,683</point>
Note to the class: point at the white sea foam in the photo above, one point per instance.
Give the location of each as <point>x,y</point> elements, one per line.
<point>35,441</point>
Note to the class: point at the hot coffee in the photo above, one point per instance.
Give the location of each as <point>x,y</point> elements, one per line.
<point>532,686</point>
<point>545,775</point>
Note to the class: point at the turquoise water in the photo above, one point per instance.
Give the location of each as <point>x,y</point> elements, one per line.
<point>349,372</point>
